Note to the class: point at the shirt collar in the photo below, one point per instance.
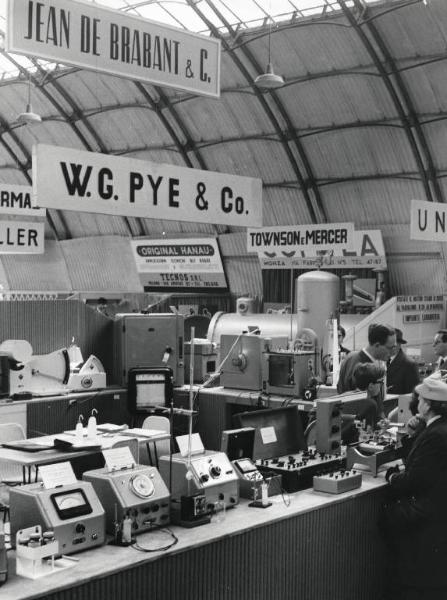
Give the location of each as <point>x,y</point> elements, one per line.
<point>433,419</point>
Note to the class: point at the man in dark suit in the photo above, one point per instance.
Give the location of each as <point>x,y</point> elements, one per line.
<point>381,342</point>
<point>402,373</point>
<point>420,546</point>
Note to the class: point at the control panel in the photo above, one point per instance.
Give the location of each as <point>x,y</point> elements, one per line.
<point>337,482</point>
<point>209,472</point>
<point>72,511</point>
<point>298,469</point>
<point>329,421</point>
<point>138,492</point>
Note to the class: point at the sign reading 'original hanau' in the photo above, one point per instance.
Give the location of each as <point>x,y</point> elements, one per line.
<point>87,35</point>
<point>192,264</point>
<point>69,179</point>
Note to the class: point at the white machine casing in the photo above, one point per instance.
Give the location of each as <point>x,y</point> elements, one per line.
<point>138,491</point>
<point>32,505</point>
<point>212,474</point>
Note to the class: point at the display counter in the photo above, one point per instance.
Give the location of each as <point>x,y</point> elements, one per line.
<point>319,547</point>
<point>52,414</point>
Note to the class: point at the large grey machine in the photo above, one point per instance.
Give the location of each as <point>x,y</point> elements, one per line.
<point>149,340</point>
<point>72,511</point>
<point>254,362</point>
<point>137,492</point>
<point>207,472</point>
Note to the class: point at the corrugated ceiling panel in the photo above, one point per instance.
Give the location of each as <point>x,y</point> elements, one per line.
<point>39,272</point>
<point>282,206</point>
<point>360,151</point>
<point>338,100</point>
<point>428,87</point>
<point>125,128</point>
<point>258,158</point>
<point>405,275</point>
<point>233,244</point>
<point>81,224</point>
<point>101,264</point>
<point>312,48</point>
<point>416,30</point>
<point>436,134</point>
<point>234,115</point>
<point>244,275</point>
<point>371,204</point>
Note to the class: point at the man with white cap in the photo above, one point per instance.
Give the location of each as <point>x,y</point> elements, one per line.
<point>421,543</point>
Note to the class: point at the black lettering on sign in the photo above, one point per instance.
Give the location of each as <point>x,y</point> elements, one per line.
<point>50,27</point>
<point>76,181</point>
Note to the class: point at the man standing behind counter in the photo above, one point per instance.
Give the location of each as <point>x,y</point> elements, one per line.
<point>381,344</point>
<point>402,373</point>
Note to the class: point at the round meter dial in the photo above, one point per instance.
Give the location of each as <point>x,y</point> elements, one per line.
<point>142,486</point>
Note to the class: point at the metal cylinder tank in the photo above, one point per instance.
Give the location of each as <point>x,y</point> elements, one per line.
<point>269,325</point>
<point>317,296</point>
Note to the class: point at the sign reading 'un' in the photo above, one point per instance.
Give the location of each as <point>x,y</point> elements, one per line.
<point>428,221</point>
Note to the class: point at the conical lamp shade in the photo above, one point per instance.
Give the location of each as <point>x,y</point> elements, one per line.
<point>269,80</point>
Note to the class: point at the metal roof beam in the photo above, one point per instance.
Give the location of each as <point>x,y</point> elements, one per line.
<point>304,184</point>
<point>392,92</point>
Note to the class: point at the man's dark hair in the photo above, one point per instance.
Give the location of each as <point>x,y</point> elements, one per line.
<point>443,334</point>
<point>379,334</point>
<point>342,330</point>
<point>366,373</point>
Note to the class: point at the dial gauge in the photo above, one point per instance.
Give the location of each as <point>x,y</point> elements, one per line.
<point>142,486</point>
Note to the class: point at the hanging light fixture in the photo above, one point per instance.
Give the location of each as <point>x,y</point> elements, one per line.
<point>269,80</point>
<point>29,117</point>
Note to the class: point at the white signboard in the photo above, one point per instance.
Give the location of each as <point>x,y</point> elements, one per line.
<point>22,237</point>
<point>179,264</point>
<point>90,36</point>
<point>69,179</point>
<point>16,200</point>
<point>367,252</point>
<point>428,221</point>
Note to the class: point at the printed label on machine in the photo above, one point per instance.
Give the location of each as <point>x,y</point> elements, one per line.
<point>57,475</point>
<point>268,435</point>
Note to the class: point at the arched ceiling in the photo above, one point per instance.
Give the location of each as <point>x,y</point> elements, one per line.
<point>357,131</point>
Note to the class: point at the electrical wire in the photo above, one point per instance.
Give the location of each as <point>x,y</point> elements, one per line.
<point>137,546</point>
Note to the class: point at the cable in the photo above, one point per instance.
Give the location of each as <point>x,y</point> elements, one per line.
<point>137,546</point>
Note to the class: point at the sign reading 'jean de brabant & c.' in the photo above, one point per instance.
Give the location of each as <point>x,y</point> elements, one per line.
<point>87,35</point>
<point>192,264</point>
<point>70,179</point>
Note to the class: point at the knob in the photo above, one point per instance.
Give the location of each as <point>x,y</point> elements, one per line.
<point>215,471</point>
<point>80,528</point>
<point>204,478</point>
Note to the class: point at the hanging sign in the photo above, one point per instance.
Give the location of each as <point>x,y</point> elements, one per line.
<point>22,237</point>
<point>428,221</point>
<point>16,200</point>
<point>367,251</point>
<point>69,179</point>
<point>90,36</point>
<point>187,264</point>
